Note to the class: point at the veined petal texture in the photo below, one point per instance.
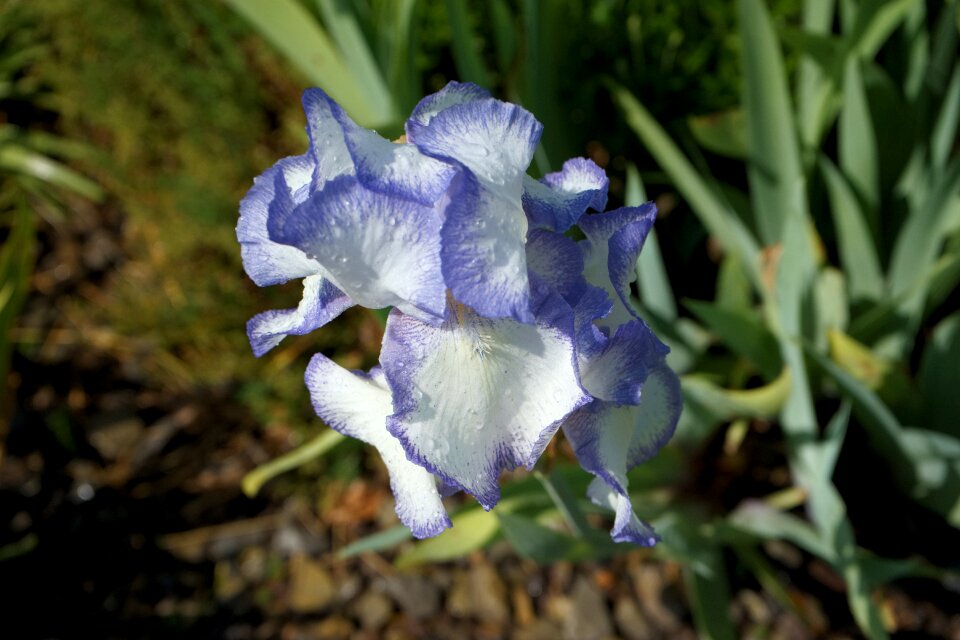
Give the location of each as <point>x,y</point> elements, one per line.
<point>357,405</point>
<point>453,93</point>
<point>477,396</point>
<point>380,250</point>
<point>483,258</point>
<point>265,261</point>
<point>321,303</point>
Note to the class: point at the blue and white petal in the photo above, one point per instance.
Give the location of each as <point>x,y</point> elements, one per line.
<point>616,369</point>
<point>477,396</point>
<point>613,244</point>
<point>611,439</point>
<point>559,200</point>
<point>357,405</point>
<point>627,527</point>
<point>341,147</point>
<point>658,414</point>
<point>482,252</point>
<point>601,434</point>
<point>557,261</point>
<point>321,303</point>
<point>265,261</point>
<point>452,94</point>
<point>485,230</point>
<point>380,250</point>
<point>328,146</point>
<point>493,139</point>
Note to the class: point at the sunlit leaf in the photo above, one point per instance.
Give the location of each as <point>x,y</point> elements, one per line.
<point>762,402</point>
<point>857,147</point>
<point>289,27</point>
<point>344,29</point>
<point>299,456</point>
<point>472,529</point>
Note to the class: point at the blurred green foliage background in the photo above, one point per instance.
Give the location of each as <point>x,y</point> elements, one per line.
<point>805,161</point>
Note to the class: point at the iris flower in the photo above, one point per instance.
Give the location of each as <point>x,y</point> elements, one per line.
<point>503,328</point>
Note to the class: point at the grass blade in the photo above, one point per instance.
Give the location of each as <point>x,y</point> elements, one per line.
<point>26,162</point>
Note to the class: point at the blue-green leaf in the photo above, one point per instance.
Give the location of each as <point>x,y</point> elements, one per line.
<point>858,253</point>
<point>939,376</point>
<point>343,27</point>
<point>656,294</point>
<point>774,168</point>
<point>377,542</point>
<point>532,540</point>
<point>469,62</point>
<point>743,332</point>
<point>716,215</point>
<point>857,146</point>
<point>289,27</point>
